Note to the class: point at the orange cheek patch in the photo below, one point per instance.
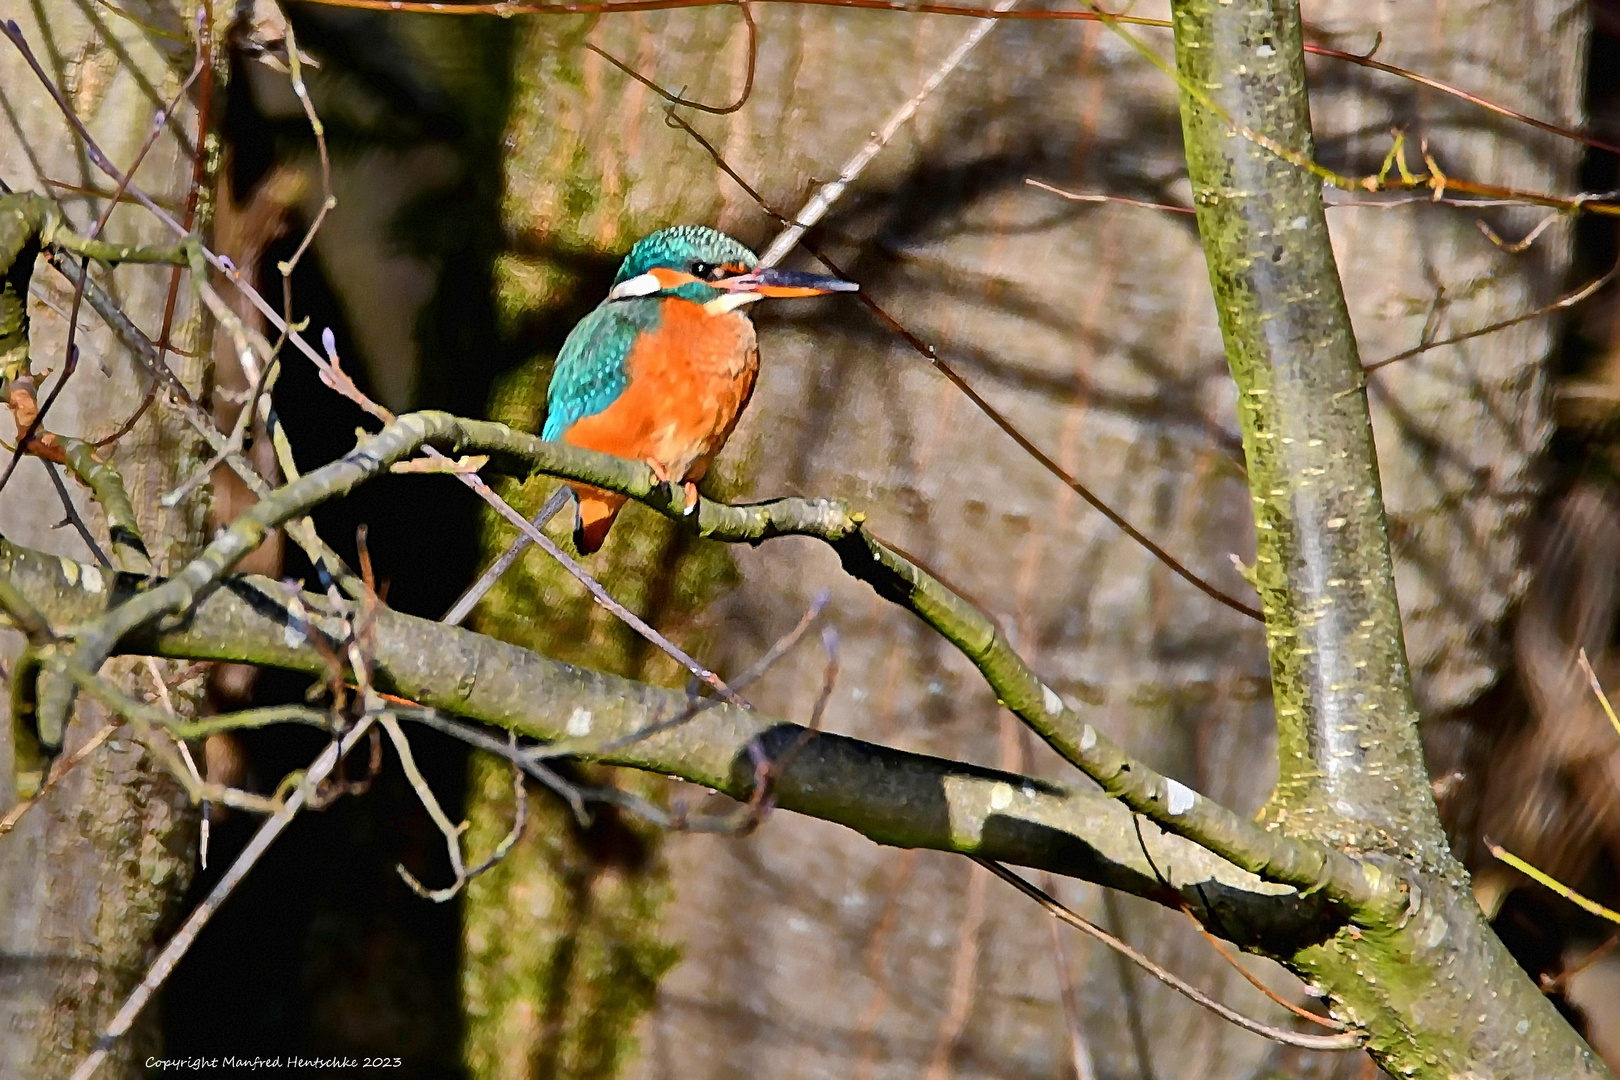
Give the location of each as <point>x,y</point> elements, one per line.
<point>671,279</point>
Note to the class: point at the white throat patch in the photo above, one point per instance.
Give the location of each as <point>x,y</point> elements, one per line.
<point>640,285</point>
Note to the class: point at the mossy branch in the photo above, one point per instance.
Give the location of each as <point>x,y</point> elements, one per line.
<point>107,487</point>
<point>1356,885</point>
<point>891,796</point>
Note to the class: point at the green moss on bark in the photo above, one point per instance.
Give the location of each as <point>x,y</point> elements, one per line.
<point>564,941</point>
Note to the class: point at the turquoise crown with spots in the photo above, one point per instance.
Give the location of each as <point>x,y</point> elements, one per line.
<point>679,247</point>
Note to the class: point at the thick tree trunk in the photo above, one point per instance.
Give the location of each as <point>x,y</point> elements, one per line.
<point>91,876</point>
<point>1436,987</point>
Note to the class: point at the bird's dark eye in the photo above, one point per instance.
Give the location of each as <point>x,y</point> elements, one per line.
<point>706,271</point>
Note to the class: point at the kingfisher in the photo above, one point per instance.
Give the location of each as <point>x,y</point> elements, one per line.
<point>663,367</point>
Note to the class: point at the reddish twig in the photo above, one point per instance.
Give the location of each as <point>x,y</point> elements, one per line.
<point>1254,981</point>
<point>199,169</point>
<point>1348,1040</point>
<point>931,354</point>
<point>676,99</point>
<point>1568,300</point>
<point>599,7</point>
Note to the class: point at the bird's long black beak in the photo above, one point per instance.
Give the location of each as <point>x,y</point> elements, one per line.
<point>769,281</point>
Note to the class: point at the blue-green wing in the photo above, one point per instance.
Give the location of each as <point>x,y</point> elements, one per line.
<point>593,366</point>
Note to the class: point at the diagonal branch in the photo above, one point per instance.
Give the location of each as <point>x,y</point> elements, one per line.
<point>1298,862</point>
<point>888,795</point>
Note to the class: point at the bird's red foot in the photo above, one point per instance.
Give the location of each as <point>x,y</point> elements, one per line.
<point>658,470</point>
<point>691,497</point>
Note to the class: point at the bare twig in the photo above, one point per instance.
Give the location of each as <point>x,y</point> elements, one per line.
<point>576,797</point>
<point>1073,196</point>
<point>600,594</point>
<point>520,818</point>
<point>1597,690</point>
<point>185,754</point>
<point>677,99</point>
<point>424,794</point>
<point>1049,463</point>
<point>333,375</point>
<point>1566,301</point>
<point>163,966</point>
<point>964,969</point>
<point>233,445</point>
<point>1254,980</point>
<point>71,350</point>
<point>295,74</point>
<point>1548,881</point>
<point>475,592</point>
<point>1516,246</point>
<point>73,515</point>
<point>1274,856</point>
<point>1085,1067</point>
<point>1349,1040</point>
<point>453,833</point>
<point>510,8</point>
<point>59,770</point>
<point>758,668</point>
<point>931,354</point>
<point>828,193</point>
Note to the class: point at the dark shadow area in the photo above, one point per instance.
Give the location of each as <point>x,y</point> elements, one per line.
<point>324,949</point>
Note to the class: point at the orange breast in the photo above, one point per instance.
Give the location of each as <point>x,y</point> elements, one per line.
<point>689,382</point>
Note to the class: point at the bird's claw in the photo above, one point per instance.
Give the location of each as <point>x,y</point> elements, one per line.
<point>687,486</point>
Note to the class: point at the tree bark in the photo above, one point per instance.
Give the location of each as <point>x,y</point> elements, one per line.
<point>91,877</point>
<point>1351,767</point>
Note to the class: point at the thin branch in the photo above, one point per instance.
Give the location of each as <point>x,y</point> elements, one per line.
<point>424,794</point>
<point>1568,300</point>
<point>931,354</point>
<point>73,515</point>
<point>1050,464</point>
<point>1274,856</point>
<point>1348,1041</point>
<point>574,796</point>
<point>475,592</point>
<point>58,771</point>
<point>1085,1067</point>
<point>185,754</point>
<point>577,746</point>
<point>179,398</point>
<point>600,594</point>
<point>71,350</point>
<point>1077,197</point>
<point>1597,690</point>
<point>333,375</point>
<point>295,75</point>
<point>1550,882</point>
<point>163,966</point>
<point>828,193</point>
<point>520,820</point>
<point>891,796</point>
<point>1254,980</point>
<point>677,99</point>
<point>508,9</point>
